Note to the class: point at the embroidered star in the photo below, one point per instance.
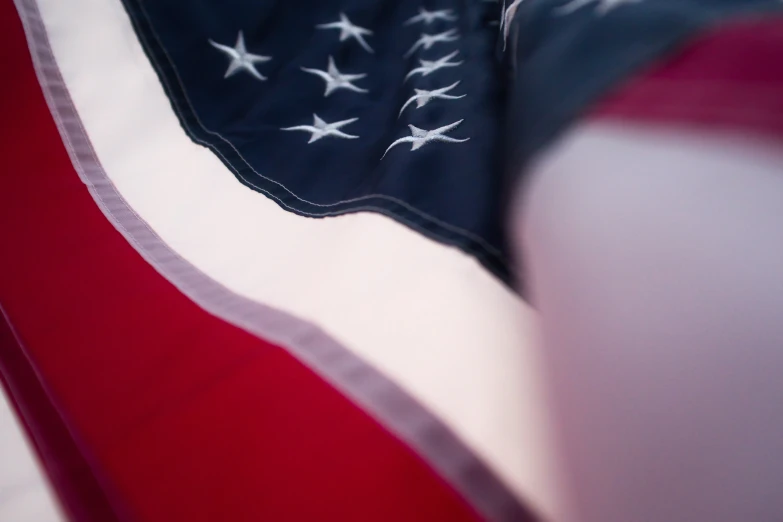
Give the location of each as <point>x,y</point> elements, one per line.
<point>420,137</point>
<point>349,30</point>
<point>335,79</point>
<point>427,67</point>
<point>603,7</point>
<point>320,129</point>
<point>423,97</point>
<point>427,17</point>
<point>240,58</point>
<point>428,40</point>
<point>507,18</point>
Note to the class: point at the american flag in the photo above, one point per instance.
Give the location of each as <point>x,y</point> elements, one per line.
<point>263,251</point>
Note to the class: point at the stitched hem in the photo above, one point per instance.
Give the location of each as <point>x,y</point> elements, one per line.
<point>375,393</point>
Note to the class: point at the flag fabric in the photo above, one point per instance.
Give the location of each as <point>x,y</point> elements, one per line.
<point>259,263</point>
<point>26,495</point>
<point>651,240</point>
<point>377,82</point>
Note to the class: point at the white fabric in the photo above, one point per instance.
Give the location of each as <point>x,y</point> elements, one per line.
<point>656,261</point>
<point>427,315</point>
<point>24,493</point>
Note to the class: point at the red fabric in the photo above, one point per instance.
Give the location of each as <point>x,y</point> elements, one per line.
<point>186,417</point>
<point>729,78</point>
<point>82,495</point>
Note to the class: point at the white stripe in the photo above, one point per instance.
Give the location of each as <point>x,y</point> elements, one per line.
<point>427,315</point>
<point>655,254</point>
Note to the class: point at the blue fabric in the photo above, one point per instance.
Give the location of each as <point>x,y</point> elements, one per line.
<point>551,70</point>
<point>562,64</point>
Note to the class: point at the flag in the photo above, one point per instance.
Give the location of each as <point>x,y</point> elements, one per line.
<point>261,266</point>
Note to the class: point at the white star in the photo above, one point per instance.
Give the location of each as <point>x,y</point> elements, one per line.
<point>603,7</point>
<point>428,40</point>
<point>420,137</point>
<point>335,79</point>
<point>507,18</point>
<point>430,16</point>
<point>349,30</point>
<point>240,58</point>
<point>427,67</point>
<point>423,97</point>
<point>320,129</point>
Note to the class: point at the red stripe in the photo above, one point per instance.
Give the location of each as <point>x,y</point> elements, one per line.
<point>187,417</point>
<point>82,495</point>
<point>729,78</point>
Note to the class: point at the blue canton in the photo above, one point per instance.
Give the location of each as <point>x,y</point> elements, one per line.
<point>425,111</point>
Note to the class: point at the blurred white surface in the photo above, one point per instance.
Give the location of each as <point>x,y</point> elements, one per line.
<point>24,493</point>
<point>654,254</point>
